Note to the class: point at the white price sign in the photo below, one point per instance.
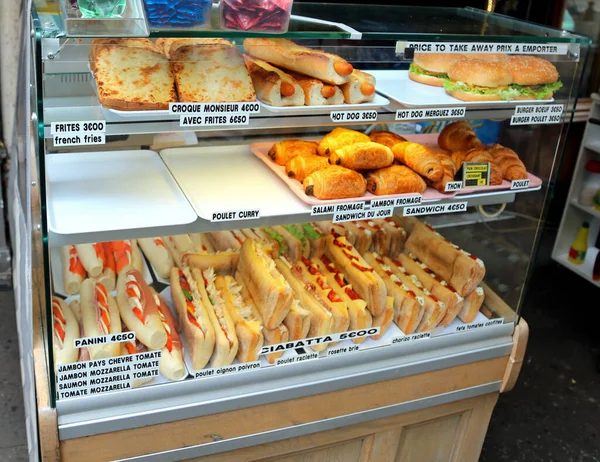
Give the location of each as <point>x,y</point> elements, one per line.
<point>453,186</point>
<point>238,118</point>
<point>519,184</point>
<point>213,108</point>
<point>474,47</point>
<point>353,116</point>
<point>234,215</point>
<point>431,113</point>
<point>533,114</point>
<point>88,126</point>
<point>435,209</point>
<point>338,208</point>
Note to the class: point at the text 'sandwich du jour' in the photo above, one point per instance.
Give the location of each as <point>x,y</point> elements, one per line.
<point>519,77</point>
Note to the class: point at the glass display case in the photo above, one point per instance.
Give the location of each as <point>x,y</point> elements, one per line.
<point>234,221</point>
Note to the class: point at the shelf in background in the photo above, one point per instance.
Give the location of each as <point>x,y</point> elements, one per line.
<point>590,210</point>
<point>211,179</point>
<point>584,270</point>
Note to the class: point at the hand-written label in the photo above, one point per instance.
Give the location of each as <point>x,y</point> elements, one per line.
<point>104,339</point>
<point>236,215</point>
<point>453,186</point>
<point>297,359</point>
<point>435,209</point>
<point>343,350</point>
<point>519,184</point>
<point>411,338</point>
<point>473,47</point>
<point>99,376</point>
<point>308,342</point>
<point>431,113</point>
<point>78,139</point>
<point>89,126</point>
<point>353,116</point>
<point>213,108</point>
<point>224,370</point>
<point>337,208</point>
<point>212,120</point>
<point>479,325</point>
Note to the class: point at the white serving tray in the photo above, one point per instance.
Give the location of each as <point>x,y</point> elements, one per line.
<point>57,279</point>
<point>378,101</point>
<point>107,191</point>
<point>227,178</point>
<point>396,85</point>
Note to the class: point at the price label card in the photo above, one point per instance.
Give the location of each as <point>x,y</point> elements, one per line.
<point>77,133</point>
<point>453,186</point>
<point>534,114</point>
<point>431,113</point>
<point>240,118</point>
<point>338,208</point>
<point>353,116</point>
<point>234,215</point>
<point>476,174</point>
<point>104,339</point>
<point>435,209</point>
<point>473,47</point>
<point>199,109</point>
<point>519,184</point>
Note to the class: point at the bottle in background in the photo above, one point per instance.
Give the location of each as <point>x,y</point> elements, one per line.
<point>579,246</point>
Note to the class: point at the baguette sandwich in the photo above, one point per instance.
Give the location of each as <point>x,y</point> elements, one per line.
<point>283,53</point>
<point>65,329</point>
<point>360,88</point>
<point>272,85</point>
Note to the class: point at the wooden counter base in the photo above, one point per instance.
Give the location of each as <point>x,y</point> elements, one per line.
<point>464,421</point>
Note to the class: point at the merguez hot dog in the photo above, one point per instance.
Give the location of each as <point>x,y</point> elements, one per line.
<point>139,311</point>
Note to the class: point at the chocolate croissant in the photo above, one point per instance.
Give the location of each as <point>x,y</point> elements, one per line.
<point>335,182</point>
<point>396,179</point>
<point>388,139</point>
<point>420,158</point>
<point>511,167</point>
<point>339,138</point>
<point>302,166</point>
<point>363,156</point>
<point>484,155</point>
<point>459,136</point>
<point>284,151</point>
<point>449,172</point>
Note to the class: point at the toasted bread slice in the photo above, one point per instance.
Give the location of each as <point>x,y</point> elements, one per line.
<point>211,74</point>
<point>131,78</point>
<point>170,45</point>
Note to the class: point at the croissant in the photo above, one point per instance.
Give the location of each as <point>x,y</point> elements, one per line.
<point>302,166</point>
<point>449,172</point>
<point>363,156</point>
<point>388,139</point>
<point>339,138</point>
<point>335,182</point>
<point>420,159</point>
<point>458,157</point>
<point>284,151</point>
<point>484,155</point>
<point>509,163</point>
<point>458,136</point>
<point>396,179</point>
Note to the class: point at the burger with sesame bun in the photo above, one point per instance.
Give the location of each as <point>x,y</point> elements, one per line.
<point>533,78</point>
<point>479,80</point>
<point>432,68</point>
